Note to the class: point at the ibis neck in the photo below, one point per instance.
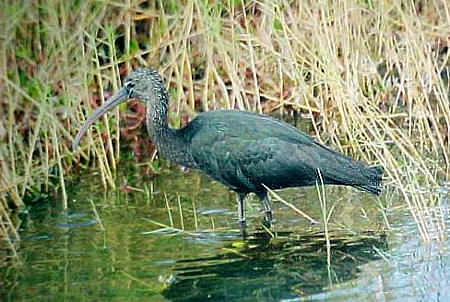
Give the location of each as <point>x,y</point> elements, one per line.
<point>169,142</point>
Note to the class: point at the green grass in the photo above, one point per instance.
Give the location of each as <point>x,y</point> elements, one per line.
<point>364,75</point>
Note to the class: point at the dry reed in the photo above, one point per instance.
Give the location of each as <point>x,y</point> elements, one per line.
<point>368,76</point>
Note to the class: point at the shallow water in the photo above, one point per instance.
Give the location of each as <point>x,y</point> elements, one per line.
<point>137,250</point>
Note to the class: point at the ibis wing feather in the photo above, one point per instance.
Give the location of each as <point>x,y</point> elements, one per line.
<point>244,153</point>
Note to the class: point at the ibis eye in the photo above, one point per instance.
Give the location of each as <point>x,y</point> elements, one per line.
<point>129,88</point>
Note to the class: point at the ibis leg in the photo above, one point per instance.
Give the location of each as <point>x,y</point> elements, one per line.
<point>267,208</point>
<point>241,208</point>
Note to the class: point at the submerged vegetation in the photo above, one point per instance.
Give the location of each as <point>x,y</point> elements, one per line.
<point>369,78</point>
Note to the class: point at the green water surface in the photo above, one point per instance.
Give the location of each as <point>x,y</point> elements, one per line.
<point>136,249</point>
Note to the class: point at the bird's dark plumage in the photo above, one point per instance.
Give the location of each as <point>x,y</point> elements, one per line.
<point>243,150</point>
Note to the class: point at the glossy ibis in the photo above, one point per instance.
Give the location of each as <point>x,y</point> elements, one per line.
<point>240,149</point>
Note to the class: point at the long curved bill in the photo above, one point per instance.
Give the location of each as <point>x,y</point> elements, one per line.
<point>118,98</point>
